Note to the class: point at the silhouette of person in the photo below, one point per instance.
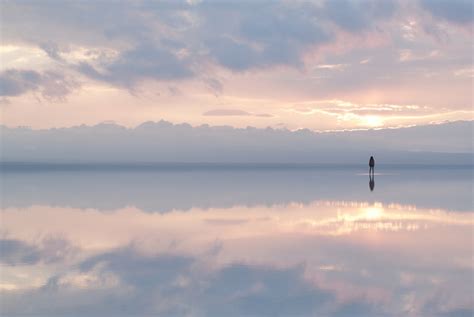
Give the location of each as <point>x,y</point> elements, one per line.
<point>371,165</point>
<point>371,182</point>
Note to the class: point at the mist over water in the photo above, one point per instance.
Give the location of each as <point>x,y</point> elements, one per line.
<point>252,240</point>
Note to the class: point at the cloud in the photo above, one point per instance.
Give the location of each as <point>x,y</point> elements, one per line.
<point>226,112</point>
<point>49,250</point>
<point>278,37</point>
<point>15,252</point>
<point>52,50</point>
<point>165,142</point>
<point>170,41</point>
<point>138,64</point>
<point>340,107</point>
<point>234,55</point>
<point>358,15</point>
<point>16,82</point>
<point>215,42</point>
<point>214,85</point>
<point>455,11</point>
<point>234,112</point>
<point>51,84</point>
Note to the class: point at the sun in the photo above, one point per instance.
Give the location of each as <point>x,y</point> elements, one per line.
<point>372,121</point>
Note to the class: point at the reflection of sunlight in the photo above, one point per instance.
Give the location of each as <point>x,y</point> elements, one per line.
<point>156,230</point>
<point>256,235</point>
<point>8,287</point>
<point>372,213</point>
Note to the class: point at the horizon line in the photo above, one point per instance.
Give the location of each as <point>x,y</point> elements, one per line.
<point>205,125</point>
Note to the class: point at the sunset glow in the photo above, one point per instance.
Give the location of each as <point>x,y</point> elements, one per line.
<point>388,64</point>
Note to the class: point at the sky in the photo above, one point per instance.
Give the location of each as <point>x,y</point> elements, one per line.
<point>320,65</point>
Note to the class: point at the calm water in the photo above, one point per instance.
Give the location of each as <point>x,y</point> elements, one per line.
<point>236,241</point>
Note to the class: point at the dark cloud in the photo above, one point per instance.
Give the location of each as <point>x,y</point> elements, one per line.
<point>141,271</point>
<point>360,309</point>
<point>265,291</point>
<point>175,285</point>
<point>52,50</point>
<point>170,41</point>
<point>214,85</point>
<point>237,36</point>
<point>261,34</point>
<point>16,82</point>
<point>16,252</point>
<point>455,11</point>
<point>358,15</point>
<point>234,55</point>
<point>70,22</point>
<point>126,282</point>
<point>51,84</point>
<point>138,64</point>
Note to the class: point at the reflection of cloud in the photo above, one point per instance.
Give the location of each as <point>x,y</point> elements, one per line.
<point>126,281</point>
<point>241,260</point>
<point>332,66</point>
<point>266,291</point>
<point>465,72</point>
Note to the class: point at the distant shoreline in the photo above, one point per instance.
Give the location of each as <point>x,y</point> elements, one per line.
<point>117,166</point>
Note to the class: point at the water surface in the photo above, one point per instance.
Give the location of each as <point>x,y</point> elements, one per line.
<point>236,241</point>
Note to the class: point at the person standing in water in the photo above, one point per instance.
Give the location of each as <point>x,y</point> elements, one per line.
<point>371,173</point>
<point>371,165</point>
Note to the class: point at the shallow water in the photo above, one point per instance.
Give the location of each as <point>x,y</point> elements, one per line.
<point>236,241</point>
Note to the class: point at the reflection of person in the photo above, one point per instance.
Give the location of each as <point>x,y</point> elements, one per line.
<point>371,182</point>
<point>371,165</point>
